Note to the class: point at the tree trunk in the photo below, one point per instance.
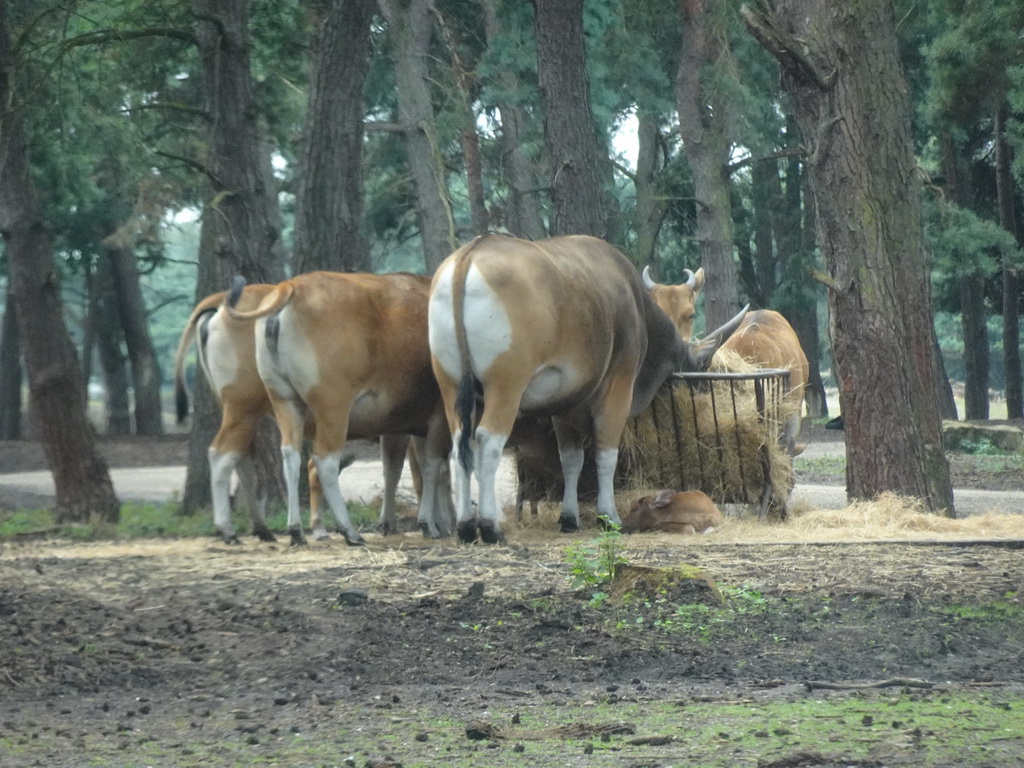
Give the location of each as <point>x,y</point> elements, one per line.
<point>411,27</point>
<point>469,138</point>
<point>794,225</point>
<point>240,233</point>
<point>767,199</point>
<point>972,298</point>
<point>106,327</point>
<point>329,205</point>
<point>247,236</point>
<point>10,374</point>
<point>83,488</point>
<point>580,207</point>
<point>703,121</point>
<point>855,118</point>
<point>650,204</point>
<point>134,320</point>
<point>522,211</point>
<point>1011,277</point>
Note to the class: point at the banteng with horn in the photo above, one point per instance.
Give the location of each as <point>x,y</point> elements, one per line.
<point>561,327</point>
<point>765,338</point>
<point>679,302</point>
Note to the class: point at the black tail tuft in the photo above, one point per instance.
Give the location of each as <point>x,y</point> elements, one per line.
<point>465,401</point>
<point>237,286</point>
<point>181,402</point>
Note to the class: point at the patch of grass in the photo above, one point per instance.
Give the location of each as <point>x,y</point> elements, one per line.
<point>983,447</point>
<point>998,611</point>
<point>147,521</point>
<point>929,729</point>
<point>592,565</point>
<point>821,465</point>
<point>25,521</point>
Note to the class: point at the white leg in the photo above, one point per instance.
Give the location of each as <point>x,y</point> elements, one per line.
<point>222,466</point>
<point>465,519</point>
<point>489,457</point>
<point>292,462</point>
<point>328,467</point>
<point>572,466</point>
<point>431,468</point>
<point>607,460</point>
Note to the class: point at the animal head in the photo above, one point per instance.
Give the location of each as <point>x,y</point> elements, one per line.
<point>678,301</point>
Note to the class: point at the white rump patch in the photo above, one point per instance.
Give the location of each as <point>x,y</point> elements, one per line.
<point>488,329</point>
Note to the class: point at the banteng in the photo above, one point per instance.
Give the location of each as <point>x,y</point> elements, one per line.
<point>349,352</point>
<point>765,338</point>
<point>561,327</point>
<point>226,352</point>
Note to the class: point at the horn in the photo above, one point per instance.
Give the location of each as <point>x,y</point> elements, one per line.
<point>648,281</point>
<point>691,279</point>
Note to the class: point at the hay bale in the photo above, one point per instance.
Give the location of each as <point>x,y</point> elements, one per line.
<point>712,436</point>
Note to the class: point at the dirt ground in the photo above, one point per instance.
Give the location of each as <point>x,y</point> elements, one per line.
<point>181,653</point>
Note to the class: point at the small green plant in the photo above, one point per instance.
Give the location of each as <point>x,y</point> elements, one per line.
<point>981,447</point>
<point>593,564</point>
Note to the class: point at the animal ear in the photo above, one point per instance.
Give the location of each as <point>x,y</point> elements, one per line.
<point>700,354</point>
<point>663,499</point>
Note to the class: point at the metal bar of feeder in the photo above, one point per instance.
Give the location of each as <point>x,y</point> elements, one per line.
<point>696,435</point>
<point>678,433</point>
<point>736,435</point>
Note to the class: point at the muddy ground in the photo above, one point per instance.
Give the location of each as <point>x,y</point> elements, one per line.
<point>181,653</point>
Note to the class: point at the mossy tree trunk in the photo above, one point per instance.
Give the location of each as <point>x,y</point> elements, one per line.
<point>840,67</point>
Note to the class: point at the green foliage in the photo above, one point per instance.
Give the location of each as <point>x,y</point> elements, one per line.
<point>593,564</point>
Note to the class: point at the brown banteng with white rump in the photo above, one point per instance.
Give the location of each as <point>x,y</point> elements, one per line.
<point>561,327</point>
<point>765,338</point>
<point>687,512</point>
<point>227,356</point>
<point>350,352</point>
<point>226,351</point>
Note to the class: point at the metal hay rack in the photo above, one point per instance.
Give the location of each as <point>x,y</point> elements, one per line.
<point>717,432</point>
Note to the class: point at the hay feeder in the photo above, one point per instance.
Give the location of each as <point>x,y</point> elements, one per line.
<point>716,432</point>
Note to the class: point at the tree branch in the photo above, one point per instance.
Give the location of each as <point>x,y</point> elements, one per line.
<point>784,47</point>
<point>901,682</point>
<point>104,36</point>
<point>379,125</point>
<point>170,105</point>
<point>194,165</point>
<point>790,152</point>
<point>823,278</point>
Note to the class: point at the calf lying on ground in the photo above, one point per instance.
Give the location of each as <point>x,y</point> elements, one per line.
<point>687,512</point>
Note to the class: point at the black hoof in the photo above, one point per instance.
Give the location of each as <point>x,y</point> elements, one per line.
<point>568,524</point>
<point>354,540</point>
<point>298,538</point>
<point>231,538</point>
<point>491,533</point>
<point>264,534</point>
<point>467,532</point>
